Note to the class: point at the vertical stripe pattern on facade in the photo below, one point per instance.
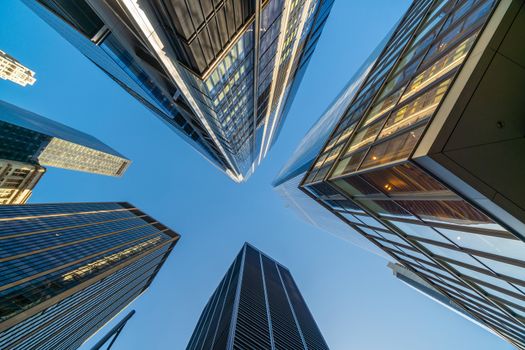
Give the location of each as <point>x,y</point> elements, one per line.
<point>260,307</point>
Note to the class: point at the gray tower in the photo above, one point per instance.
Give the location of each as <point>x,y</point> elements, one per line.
<point>256,306</point>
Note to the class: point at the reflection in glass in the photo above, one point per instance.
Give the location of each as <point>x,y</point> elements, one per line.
<point>417,110</point>
<point>397,148</point>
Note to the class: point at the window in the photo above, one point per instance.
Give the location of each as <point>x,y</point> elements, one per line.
<point>415,111</point>
<point>511,248</point>
<point>394,149</point>
<point>419,231</point>
<point>449,211</point>
<point>404,178</point>
<point>349,164</point>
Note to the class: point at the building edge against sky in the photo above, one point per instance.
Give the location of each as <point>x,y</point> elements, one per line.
<point>225,83</point>
<point>85,262</point>
<point>257,305</point>
<point>31,138</point>
<point>287,181</point>
<point>404,168</point>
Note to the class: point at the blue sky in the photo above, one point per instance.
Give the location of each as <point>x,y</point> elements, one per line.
<point>355,300</point>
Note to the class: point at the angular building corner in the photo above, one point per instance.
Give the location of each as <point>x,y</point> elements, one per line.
<point>427,160</point>
<point>11,69</point>
<point>221,75</point>
<point>287,181</point>
<point>26,137</point>
<point>68,269</point>
<point>257,305</point>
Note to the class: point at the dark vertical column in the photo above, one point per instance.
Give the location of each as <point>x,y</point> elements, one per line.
<point>285,331</point>
<point>203,335</point>
<point>251,329</point>
<point>311,333</point>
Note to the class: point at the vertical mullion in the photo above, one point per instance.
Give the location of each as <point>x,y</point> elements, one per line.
<point>383,84</point>
<point>235,312</point>
<point>222,307</point>
<point>270,330</point>
<point>291,307</point>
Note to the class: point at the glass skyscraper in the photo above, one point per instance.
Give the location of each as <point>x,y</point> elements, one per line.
<point>30,138</point>
<point>286,183</point>
<point>257,305</point>
<point>67,269</point>
<point>427,160</point>
<point>222,74</point>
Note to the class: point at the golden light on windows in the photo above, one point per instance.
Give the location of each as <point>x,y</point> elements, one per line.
<point>110,259</point>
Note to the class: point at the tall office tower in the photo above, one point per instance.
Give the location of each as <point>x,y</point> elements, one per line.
<point>30,138</point>
<point>222,74</point>
<point>67,269</point>
<point>257,305</point>
<point>427,161</point>
<point>11,69</point>
<point>17,181</point>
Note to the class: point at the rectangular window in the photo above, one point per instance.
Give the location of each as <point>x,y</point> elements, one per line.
<point>398,148</point>
<point>405,178</point>
<point>415,111</point>
<point>449,211</point>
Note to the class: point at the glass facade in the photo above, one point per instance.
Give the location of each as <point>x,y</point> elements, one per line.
<point>29,137</point>
<point>223,74</point>
<point>367,175</point>
<point>66,269</point>
<point>256,306</point>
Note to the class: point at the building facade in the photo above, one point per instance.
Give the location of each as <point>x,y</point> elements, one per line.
<point>257,305</point>
<point>30,138</point>
<point>222,75</point>
<point>67,269</point>
<point>286,183</point>
<point>11,69</point>
<point>414,281</point>
<point>17,181</point>
<point>426,162</point>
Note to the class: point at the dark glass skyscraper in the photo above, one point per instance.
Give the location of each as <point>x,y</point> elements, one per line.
<point>256,306</point>
<point>67,269</point>
<point>222,74</point>
<point>30,138</point>
<point>427,160</point>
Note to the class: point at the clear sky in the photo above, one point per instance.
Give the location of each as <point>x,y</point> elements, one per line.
<point>353,296</point>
